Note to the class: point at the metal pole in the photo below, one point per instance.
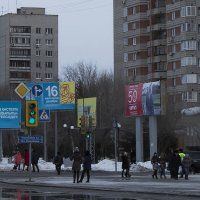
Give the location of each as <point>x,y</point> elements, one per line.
<point>72,141</point>
<point>115,149</point>
<point>29,169</point>
<point>1,148</point>
<point>56,133</point>
<point>45,141</point>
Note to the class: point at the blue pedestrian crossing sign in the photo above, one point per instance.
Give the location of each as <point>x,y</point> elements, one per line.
<point>44,115</point>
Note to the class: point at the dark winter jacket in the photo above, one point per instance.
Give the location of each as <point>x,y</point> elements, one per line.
<point>34,158</point>
<point>125,162</point>
<point>186,161</point>
<point>174,162</point>
<point>87,161</point>
<point>58,160</point>
<point>76,157</point>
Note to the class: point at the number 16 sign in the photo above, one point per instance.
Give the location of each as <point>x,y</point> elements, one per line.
<point>54,95</point>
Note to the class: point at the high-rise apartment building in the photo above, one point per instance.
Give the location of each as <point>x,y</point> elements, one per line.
<point>28,47</point>
<point>160,40</point>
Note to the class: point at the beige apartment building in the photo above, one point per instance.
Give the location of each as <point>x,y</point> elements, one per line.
<point>28,47</point>
<point>160,40</point>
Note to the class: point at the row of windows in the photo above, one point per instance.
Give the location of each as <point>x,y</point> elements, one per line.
<point>190,96</point>
<point>47,42</point>
<point>20,52</point>
<point>20,63</point>
<point>27,29</point>
<point>47,75</point>
<point>20,40</point>
<point>47,64</point>
<point>47,53</point>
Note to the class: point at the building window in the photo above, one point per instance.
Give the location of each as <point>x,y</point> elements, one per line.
<point>48,64</point>
<point>37,53</point>
<point>38,41</point>
<point>188,61</point>
<point>38,75</point>
<point>188,11</point>
<point>48,31</point>
<point>48,75</point>
<point>49,53</point>
<point>132,56</point>
<point>38,30</point>
<point>189,45</point>
<point>49,42</point>
<point>173,15</point>
<point>20,29</point>
<point>189,78</point>
<point>38,64</point>
<point>190,96</point>
<point>125,41</point>
<point>20,52</point>
<point>173,32</point>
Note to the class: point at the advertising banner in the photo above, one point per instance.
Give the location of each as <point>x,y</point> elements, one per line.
<point>86,107</point>
<point>53,96</point>
<point>10,114</point>
<point>143,99</point>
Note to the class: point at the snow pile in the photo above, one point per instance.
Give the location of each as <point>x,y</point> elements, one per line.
<point>103,165</point>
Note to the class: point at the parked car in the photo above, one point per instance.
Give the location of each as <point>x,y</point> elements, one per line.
<point>195,157</point>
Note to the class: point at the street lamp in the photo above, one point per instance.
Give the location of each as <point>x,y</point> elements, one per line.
<point>69,131</point>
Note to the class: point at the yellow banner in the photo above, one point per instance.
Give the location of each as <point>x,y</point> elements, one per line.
<point>67,92</point>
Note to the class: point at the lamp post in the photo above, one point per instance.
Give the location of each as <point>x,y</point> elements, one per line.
<point>69,131</point>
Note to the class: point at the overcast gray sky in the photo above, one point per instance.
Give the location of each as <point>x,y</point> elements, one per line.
<point>85,28</point>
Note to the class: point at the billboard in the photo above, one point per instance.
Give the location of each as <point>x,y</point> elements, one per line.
<point>10,114</point>
<point>86,107</point>
<point>53,95</point>
<point>143,99</point>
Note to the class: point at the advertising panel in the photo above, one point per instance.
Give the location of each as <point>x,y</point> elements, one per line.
<point>10,114</point>
<point>86,107</point>
<point>143,99</point>
<point>53,96</point>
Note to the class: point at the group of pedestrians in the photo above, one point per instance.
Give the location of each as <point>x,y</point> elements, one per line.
<point>178,162</point>
<point>77,159</point>
<point>23,160</point>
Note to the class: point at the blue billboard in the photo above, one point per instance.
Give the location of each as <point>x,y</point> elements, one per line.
<point>53,96</point>
<point>10,114</point>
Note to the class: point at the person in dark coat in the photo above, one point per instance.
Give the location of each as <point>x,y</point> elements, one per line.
<point>155,165</point>
<point>76,166</point>
<point>87,161</point>
<point>34,160</point>
<point>58,161</point>
<point>186,163</point>
<point>125,165</point>
<point>174,164</point>
<point>162,161</point>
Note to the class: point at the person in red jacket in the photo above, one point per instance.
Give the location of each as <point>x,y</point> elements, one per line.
<point>26,159</point>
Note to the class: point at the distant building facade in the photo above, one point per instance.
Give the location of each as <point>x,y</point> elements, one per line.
<point>28,47</point>
<point>159,40</point>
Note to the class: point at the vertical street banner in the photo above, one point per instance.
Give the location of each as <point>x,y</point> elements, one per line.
<point>53,95</point>
<point>143,99</point>
<point>10,114</point>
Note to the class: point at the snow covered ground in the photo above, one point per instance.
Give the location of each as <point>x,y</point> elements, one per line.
<point>103,165</point>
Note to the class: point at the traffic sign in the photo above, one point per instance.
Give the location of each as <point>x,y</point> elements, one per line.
<point>53,95</point>
<point>30,139</point>
<point>22,90</point>
<point>44,115</point>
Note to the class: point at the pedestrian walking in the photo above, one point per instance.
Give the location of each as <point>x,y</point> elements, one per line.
<point>26,160</point>
<point>87,161</point>
<point>174,164</point>
<point>34,160</point>
<point>125,165</point>
<point>76,166</point>
<point>58,161</point>
<point>186,164</point>
<point>155,165</point>
<point>162,167</point>
<point>182,155</point>
<point>17,160</point>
